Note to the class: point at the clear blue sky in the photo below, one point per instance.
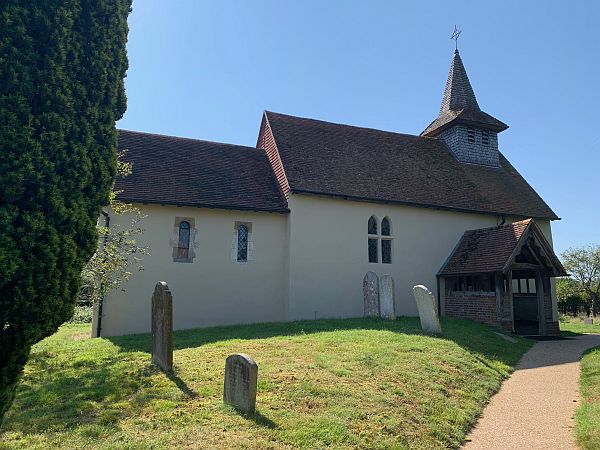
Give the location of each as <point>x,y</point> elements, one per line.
<point>207,70</point>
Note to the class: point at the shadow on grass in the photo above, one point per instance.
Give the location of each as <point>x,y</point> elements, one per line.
<point>201,336</point>
<point>181,385</point>
<point>570,333</point>
<point>259,419</point>
<point>62,396</point>
<point>475,337</point>
<point>67,389</point>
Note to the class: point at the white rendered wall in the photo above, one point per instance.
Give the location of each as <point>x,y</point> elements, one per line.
<point>213,289</point>
<point>318,273</point>
<point>328,252</point>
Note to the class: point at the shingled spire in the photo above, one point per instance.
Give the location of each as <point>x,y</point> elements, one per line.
<point>458,93</point>
<point>470,133</point>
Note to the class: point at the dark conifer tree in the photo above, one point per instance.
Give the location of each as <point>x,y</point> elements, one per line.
<point>62,65</point>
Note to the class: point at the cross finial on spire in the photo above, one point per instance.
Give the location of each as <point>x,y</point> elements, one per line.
<point>455,36</point>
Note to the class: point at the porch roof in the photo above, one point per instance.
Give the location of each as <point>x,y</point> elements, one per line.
<point>494,249</point>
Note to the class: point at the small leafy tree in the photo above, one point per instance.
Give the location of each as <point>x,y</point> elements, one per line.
<point>570,298</point>
<point>584,266</point>
<point>118,248</point>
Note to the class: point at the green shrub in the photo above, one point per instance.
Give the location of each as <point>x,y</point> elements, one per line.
<point>82,315</point>
<point>62,64</point>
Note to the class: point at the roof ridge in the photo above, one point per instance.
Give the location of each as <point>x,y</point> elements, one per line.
<point>182,138</point>
<point>497,227</point>
<point>350,126</point>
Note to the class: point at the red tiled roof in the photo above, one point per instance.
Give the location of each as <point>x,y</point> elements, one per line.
<point>361,163</point>
<point>189,172</point>
<point>484,250</point>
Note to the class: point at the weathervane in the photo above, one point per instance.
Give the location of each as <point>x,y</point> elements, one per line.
<point>455,36</point>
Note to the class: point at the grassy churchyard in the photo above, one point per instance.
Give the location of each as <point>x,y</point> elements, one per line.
<point>576,325</point>
<point>362,383</point>
<point>587,417</point>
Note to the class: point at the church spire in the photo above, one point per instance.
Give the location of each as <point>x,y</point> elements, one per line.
<point>458,93</point>
<point>470,133</point>
<point>459,104</point>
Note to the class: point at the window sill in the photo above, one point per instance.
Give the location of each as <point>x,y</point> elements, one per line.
<point>181,260</point>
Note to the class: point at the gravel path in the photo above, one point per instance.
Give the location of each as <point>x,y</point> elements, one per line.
<point>534,407</point>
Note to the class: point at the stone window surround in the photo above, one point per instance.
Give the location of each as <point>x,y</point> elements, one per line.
<point>379,237</point>
<point>174,242</point>
<point>234,242</point>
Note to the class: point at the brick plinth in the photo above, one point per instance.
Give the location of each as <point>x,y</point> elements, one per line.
<point>480,308</point>
<point>552,329</point>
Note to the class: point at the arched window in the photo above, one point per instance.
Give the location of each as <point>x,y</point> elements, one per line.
<point>372,225</point>
<point>242,243</point>
<point>386,227</point>
<point>381,241</point>
<point>373,242</point>
<point>183,245</point>
<point>386,241</point>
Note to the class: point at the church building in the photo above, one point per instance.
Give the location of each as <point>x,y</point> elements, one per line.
<point>288,230</point>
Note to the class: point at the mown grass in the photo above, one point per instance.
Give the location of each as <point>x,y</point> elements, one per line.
<point>576,325</point>
<point>587,417</point>
<point>358,383</point>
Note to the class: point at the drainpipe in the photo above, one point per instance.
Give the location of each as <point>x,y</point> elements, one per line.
<point>100,303</point>
<point>439,297</point>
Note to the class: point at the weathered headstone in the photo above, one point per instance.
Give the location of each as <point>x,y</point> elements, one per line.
<point>162,327</point>
<point>386,297</point>
<point>427,306</point>
<point>241,376</point>
<point>588,321</point>
<point>371,294</point>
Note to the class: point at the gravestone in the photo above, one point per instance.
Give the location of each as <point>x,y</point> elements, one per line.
<point>241,376</point>
<point>588,321</point>
<point>386,297</point>
<point>427,306</point>
<point>162,327</point>
<point>371,294</point>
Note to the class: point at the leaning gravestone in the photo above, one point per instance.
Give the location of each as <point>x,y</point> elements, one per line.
<point>162,327</point>
<point>371,294</point>
<point>426,304</point>
<point>241,376</point>
<point>386,297</point>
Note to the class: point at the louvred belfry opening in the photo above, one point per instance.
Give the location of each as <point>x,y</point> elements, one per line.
<point>470,134</point>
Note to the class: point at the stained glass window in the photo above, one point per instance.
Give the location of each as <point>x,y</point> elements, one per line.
<point>183,246</point>
<point>372,225</point>
<point>386,228</point>
<point>242,241</point>
<point>373,250</point>
<point>386,250</point>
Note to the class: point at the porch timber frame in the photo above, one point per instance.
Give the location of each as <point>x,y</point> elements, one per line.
<point>532,260</point>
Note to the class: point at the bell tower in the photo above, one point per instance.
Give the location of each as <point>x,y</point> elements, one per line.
<point>470,133</point>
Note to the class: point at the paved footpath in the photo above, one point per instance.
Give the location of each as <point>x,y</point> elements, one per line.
<point>534,408</point>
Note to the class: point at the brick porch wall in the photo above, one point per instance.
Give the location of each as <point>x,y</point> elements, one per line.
<point>552,328</point>
<point>480,308</point>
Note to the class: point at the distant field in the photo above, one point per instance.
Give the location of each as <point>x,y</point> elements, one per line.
<point>360,383</point>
